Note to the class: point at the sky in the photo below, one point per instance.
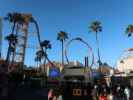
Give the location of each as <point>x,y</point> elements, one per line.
<point>74,17</point>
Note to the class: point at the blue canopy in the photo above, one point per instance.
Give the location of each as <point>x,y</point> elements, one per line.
<point>54,72</point>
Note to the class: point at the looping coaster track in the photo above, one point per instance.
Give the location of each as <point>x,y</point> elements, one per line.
<point>84,42</point>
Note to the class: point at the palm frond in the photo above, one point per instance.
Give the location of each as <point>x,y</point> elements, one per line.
<point>46,44</point>
<point>95,26</point>
<point>129,30</point>
<point>12,38</point>
<point>62,36</point>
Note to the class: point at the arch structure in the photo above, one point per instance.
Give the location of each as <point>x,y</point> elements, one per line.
<point>90,53</point>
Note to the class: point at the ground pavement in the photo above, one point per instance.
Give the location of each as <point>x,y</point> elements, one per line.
<point>26,93</point>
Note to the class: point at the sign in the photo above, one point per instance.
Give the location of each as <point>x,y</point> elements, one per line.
<point>79,92</point>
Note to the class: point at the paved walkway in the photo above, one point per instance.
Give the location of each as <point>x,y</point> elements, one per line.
<point>30,94</point>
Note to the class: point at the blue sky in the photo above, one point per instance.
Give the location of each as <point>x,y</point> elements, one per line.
<point>74,17</point>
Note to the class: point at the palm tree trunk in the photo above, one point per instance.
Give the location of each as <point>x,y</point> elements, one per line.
<point>13,57</point>
<point>40,64</point>
<point>8,52</point>
<point>44,69</point>
<point>13,28</point>
<point>98,51</point>
<point>62,52</point>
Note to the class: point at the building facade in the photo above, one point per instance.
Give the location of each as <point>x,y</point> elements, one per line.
<point>125,64</point>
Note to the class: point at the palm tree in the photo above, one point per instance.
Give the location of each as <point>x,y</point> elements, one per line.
<point>46,45</point>
<point>62,36</point>
<point>15,17</point>
<point>129,30</point>
<point>96,27</point>
<point>39,57</point>
<point>12,40</point>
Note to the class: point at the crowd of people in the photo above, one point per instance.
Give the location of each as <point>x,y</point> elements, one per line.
<point>74,91</point>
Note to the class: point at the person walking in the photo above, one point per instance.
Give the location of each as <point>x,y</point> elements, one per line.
<point>110,97</point>
<point>59,96</point>
<point>127,93</point>
<point>50,94</point>
<point>103,97</point>
<point>94,93</point>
